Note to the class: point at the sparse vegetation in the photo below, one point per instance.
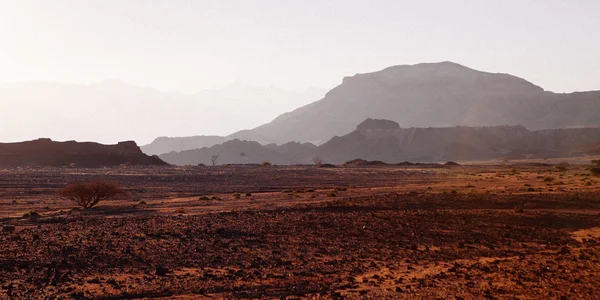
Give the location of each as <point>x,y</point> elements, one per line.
<point>317,161</point>
<point>561,168</point>
<point>266,164</point>
<point>31,214</point>
<point>214,159</point>
<point>89,194</point>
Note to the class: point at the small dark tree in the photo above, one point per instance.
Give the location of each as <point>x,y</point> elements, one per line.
<point>214,159</point>
<point>88,194</point>
<point>317,161</point>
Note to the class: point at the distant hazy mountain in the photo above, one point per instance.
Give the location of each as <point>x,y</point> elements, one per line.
<point>168,144</point>
<point>111,111</point>
<point>244,152</point>
<point>434,94</point>
<point>384,140</point>
<point>378,141</point>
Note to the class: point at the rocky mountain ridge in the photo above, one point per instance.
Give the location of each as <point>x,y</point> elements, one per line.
<point>386,141</point>
<point>425,95</point>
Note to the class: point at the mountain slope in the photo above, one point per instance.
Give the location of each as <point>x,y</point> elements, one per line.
<point>384,140</point>
<point>433,95</point>
<point>243,152</point>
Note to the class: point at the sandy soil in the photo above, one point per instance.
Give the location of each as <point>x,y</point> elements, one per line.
<point>305,232</point>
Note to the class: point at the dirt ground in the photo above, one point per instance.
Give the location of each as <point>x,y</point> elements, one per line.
<point>513,231</point>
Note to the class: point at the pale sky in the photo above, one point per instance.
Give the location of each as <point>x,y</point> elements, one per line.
<point>187,46</point>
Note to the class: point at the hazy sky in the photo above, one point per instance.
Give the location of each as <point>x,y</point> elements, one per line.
<point>190,45</point>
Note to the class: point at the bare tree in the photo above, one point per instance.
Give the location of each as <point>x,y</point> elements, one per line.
<point>88,194</point>
<point>214,159</point>
<point>317,160</point>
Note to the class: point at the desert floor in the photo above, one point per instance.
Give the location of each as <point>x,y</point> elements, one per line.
<point>414,232</point>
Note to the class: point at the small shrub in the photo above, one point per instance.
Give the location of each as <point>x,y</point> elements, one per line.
<point>454,192</point>
<point>266,164</point>
<point>203,198</point>
<point>549,179</point>
<point>561,168</point>
<point>142,202</point>
<point>180,211</point>
<point>530,189</point>
<point>31,214</point>
<point>236,196</point>
<point>339,189</point>
<point>520,208</point>
<point>332,194</point>
<point>248,194</point>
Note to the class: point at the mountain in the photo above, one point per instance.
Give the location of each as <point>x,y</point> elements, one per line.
<point>592,149</point>
<point>113,111</point>
<point>45,152</point>
<point>243,152</point>
<point>385,140</point>
<point>433,95</point>
<point>393,145</point>
<point>164,144</point>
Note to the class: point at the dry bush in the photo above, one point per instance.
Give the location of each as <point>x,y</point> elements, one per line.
<point>266,164</point>
<point>88,194</point>
<point>317,161</point>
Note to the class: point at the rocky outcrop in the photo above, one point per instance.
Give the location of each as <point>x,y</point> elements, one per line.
<point>45,152</point>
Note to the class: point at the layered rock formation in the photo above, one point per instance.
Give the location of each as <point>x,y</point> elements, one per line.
<point>45,152</point>
<point>384,140</point>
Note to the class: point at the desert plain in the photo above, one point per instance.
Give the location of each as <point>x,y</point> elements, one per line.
<point>499,230</point>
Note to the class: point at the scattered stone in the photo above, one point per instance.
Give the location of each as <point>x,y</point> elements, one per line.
<point>8,228</point>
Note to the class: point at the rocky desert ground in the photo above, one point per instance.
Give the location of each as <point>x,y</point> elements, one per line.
<point>493,231</point>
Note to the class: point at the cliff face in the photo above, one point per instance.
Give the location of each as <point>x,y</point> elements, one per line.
<point>456,143</point>
<point>45,152</point>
